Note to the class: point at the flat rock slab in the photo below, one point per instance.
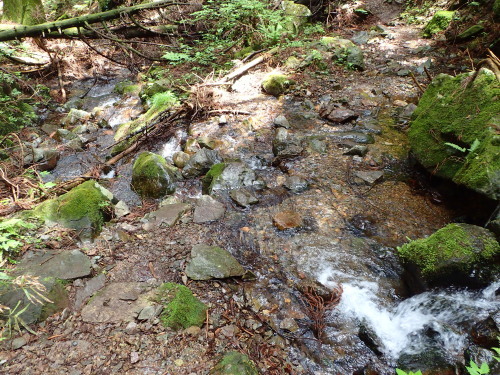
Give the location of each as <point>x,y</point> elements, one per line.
<point>212,262</point>
<point>243,197</point>
<point>287,220</point>
<point>339,115</point>
<point>118,302</point>
<point>65,265</point>
<point>369,177</point>
<point>168,215</point>
<point>91,286</point>
<point>208,209</point>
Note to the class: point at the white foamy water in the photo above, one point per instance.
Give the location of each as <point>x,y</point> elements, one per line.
<point>400,326</point>
<point>172,146</point>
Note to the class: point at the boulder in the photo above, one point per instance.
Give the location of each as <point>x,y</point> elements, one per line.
<point>470,33</point>
<point>276,84</point>
<point>285,145</point>
<point>212,262</point>
<point>151,176</point>
<point>298,14</point>
<point>458,253</point>
<point>201,162</point>
<point>235,363</point>
<point>181,308</point>
<point>229,176</point>
<point>439,22</point>
<point>243,197</point>
<point>344,52</point>
<point>64,265</point>
<point>454,130</point>
<point>208,209</point>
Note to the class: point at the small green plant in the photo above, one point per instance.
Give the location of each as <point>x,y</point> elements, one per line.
<point>401,372</point>
<point>12,236</point>
<point>474,369</point>
<point>473,147</point>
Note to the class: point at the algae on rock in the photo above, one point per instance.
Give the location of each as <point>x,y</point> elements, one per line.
<point>276,84</point>
<point>152,177</point>
<point>453,115</point>
<point>182,309</point>
<point>439,22</point>
<point>235,363</point>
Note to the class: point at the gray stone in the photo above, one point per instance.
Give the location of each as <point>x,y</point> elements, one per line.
<point>243,197</point>
<point>285,145</point>
<point>168,215</point>
<point>359,150</point>
<point>369,177</point>
<point>361,37</point>
<point>76,116</point>
<point>344,52</point>
<point>289,324</point>
<point>316,144</point>
<point>212,262</point>
<point>150,312</point>
<point>64,265</point>
<point>296,184</point>
<point>91,286</point>
<point>201,162</point>
<point>281,122</point>
<point>18,342</point>
<point>355,137</point>
<point>339,115</point>
<point>117,302</point>
<point>121,209</point>
<point>208,209</point>
<point>180,159</point>
<point>152,177</point>
<point>231,176</point>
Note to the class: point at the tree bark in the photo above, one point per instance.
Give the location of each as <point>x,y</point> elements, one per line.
<point>44,29</point>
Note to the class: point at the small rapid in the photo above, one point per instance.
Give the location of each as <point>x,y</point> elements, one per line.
<point>435,318</point>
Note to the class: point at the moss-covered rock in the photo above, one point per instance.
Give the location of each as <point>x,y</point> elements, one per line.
<point>234,363</point>
<point>439,22</point>
<point>85,208</point>
<point>182,309</point>
<point>453,133</point>
<point>127,88</point>
<point>344,51</point>
<point>455,253</point>
<point>276,84</point>
<point>151,176</point>
<point>471,32</point>
<point>298,15</point>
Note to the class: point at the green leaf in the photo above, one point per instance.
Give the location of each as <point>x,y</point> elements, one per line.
<point>400,372</point>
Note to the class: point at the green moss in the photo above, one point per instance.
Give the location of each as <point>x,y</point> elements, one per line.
<point>456,247</point>
<point>470,32</point>
<point>450,113</point>
<point>83,208</point>
<point>211,176</point>
<point>439,22</point>
<point>496,9</point>
<point>127,87</point>
<point>182,309</point>
<point>151,176</point>
<point>234,363</point>
<point>276,84</point>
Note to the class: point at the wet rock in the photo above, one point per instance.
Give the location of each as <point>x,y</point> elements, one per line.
<point>432,361</point>
<point>15,298</point>
<point>447,140</point>
<point>229,176</point>
<point>121,209</point>
<point>45,158</point>
<point>243,197</point>
<point>207,209</point>
<point>201,162</point>
<point>76,116</point>
<point>150,312</point>
<point>439,22</point>
<point>285,145</point>
<point>344,52</point>
<point>480,355</point>
<point>369,177</point>
<point>287,220</point>
<point>281,122</point>
<point>182,309</point>
<point>117,302</point>
<point>84,208</point>
<point>460,254</point>
<point>371,340</point>
<point>485,333</point>
<point>168,215</point>
<point>212,262</point>
<point>91,286</point>
<point>151,177</point>
<point>276,84</point>
<point>64,265</point>
<point>289,324</point>
<point>296,184</point>
<point>192,146</point>
<point>235,363</point>
<point>316,144</point>
<point>355,137</point>
<point>358,150</point>
<point>338,115</point>
<point>361,37</point>
<point>180,159</point>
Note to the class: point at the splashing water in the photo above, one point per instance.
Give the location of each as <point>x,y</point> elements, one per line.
<point>401,326</point>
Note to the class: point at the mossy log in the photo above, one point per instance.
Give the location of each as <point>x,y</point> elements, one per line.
<point>10,32</point>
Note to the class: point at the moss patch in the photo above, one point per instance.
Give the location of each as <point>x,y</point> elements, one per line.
<point>276,84</point>
<point>212,176</point>
<point>450,113</point>
<point>151,176</point>
<point>456,248</point>
<point>182,309</point>
<point>439,22</point>
<point>235,363</point>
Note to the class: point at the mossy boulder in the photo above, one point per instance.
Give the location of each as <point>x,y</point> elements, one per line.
<point>457,253</point>
<point>454,130</point>
<point>182,309</point>
<point>229,176</point>
<point>84,208</point>
<point>439,22</point>
<point>235,363</point>
<point>127,88</point>
<point>276,84</point>
<point>152,177</point>
<point>470,33</point>
<point>344,51</point>
<point>298,15</point>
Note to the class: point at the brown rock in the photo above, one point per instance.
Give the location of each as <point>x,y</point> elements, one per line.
<point>287,220</point>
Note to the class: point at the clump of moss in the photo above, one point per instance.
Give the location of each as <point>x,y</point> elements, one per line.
<point>127,87</point>
<point>212,175</point>
<point>439,22</point>
<point>454,111</point>
<point>235,363</point>
<point>276,84</point>
<point>182,309</point>
<point>455,249</point>
<point>151,177</point>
